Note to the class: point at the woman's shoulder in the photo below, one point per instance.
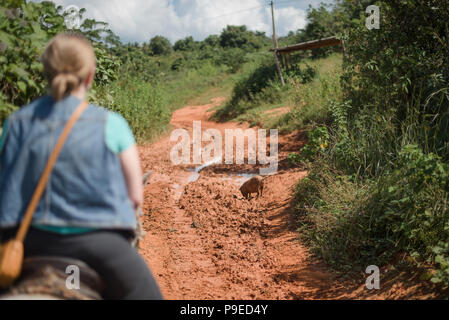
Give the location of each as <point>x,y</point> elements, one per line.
<point>30,109</point>
<point>116,118</point>
<point>119,136</point>
<point>110,115</point>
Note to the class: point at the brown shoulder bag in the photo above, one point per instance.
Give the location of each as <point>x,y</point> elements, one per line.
<point>11,253</point>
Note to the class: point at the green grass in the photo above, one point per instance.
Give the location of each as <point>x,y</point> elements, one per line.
<point>183,87</point>
<point>148,105</point>
<point>257,90</point>
<point>142,104</point>
<point>309,102</point>
<point>221,89</point>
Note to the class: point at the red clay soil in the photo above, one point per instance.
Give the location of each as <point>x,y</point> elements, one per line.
<point>205,241</point>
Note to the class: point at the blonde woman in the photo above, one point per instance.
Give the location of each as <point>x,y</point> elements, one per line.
<point>87,210</point>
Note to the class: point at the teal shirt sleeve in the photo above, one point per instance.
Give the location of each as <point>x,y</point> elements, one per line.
<point>118,136</point>
<point>3,134</point>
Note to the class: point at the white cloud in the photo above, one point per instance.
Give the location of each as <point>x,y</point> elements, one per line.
<point>140,20</point>
<point>289,19</point>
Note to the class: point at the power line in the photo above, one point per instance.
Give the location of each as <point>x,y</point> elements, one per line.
<point>285,1</point>
<point>244,10</point>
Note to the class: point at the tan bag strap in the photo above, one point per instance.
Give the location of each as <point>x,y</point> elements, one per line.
<point>25,225</point>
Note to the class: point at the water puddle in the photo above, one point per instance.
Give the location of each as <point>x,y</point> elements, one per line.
<point>237,178</point>
<point>196,175</point>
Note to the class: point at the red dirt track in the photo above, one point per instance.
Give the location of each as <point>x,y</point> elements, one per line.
<point>205,241</point>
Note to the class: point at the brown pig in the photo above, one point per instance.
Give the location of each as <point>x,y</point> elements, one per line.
<point>253,185</point>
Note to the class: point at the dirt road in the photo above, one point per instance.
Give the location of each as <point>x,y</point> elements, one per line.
<point>205,241</point>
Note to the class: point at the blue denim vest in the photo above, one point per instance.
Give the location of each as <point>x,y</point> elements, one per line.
<point>86,188</point>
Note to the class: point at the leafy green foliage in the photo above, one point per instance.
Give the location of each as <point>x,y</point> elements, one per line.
<point>246,89</point>
<point>304,75</point>
<point>416,217</point>
<point>233,58</point>
<point>318,142</point>
<point>160,45</point>
<point>381,187</point>
<point>294,158</point>
<point>240,37</point>
<point>311,98</point>
<point>187,44</point>
<point>212,41</point>
<point>148,113</point>
<point>322,24</point>
<point>22,37</point>
<point>25,29</point>
<point>325,21</point>
<point>107,67</point>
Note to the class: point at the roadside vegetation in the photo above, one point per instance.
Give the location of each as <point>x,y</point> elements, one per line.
<point>378,153</point>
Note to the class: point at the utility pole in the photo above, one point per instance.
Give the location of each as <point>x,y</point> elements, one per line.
<point>275,43</point>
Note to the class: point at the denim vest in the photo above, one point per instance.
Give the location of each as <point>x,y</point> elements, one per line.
<point>87,186</point>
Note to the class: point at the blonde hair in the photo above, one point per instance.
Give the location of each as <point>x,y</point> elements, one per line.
<point>67,59</point>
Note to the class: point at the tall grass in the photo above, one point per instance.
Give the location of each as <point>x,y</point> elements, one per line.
<point>258,89</point>
<point>142,104</point>
<point>147,104</point>
<point>310,101</point>
<point>380,188</point>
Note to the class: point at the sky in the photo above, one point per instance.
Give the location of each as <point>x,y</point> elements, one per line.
<point>141,20</point>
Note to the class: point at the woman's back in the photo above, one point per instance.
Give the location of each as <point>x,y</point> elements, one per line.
<point>86,188</point>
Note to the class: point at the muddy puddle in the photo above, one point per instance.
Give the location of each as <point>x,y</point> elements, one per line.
<point>237,177</point>
<point>195,173</point>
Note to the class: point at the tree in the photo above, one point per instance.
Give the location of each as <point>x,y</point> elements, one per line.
<point>160,45</point>
<point>187,44</point>
<point>212,40</point>
<point>25,29</point>
<point>239,37</point>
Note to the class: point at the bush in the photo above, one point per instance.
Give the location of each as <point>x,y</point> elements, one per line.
<point>409,205</point>
<point>240,37</point>
<point>382,186</point>
<point>305,75</point>
<point>353,222</point>
<point>312,100</point>
<point>317,142</point>
<point>25,29</point>
<point>22,38</point>
<point>160,46</point>
<point>330,220</point>
<point>233,58</point>
<point>405,81</point>
<point>142,104</point>
<point>246,89</point>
